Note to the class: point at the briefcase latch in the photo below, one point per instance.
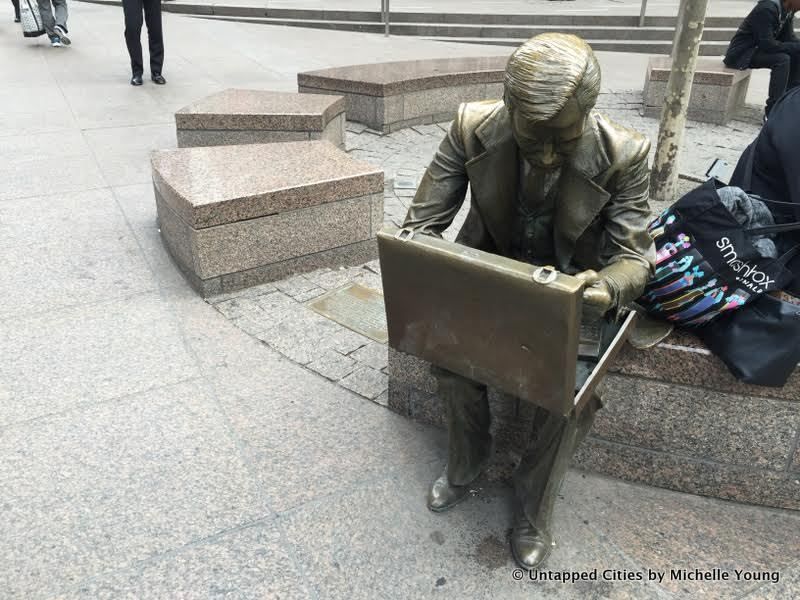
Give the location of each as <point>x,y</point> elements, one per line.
<point>545,275</point>
<point>405,234</point>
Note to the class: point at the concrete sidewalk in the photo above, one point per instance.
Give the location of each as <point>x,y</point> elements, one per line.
<point>149,448</point>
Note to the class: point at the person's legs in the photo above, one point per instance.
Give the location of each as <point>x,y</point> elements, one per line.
<point>779,65</point>
<point>133,33</point>
<point>538,480</point>
<point>469,447</point>
<point>152,16</point>
<point>61,13</point>
<point>16,10</point>
<point>48,22</point>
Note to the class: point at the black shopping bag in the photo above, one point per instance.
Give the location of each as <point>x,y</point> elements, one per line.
<point>706,263</point>
<point>759,344</point>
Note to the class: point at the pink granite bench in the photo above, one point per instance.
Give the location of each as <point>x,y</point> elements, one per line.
<point>718,93</point>
<point>392,95</point>
<point>236,216</point>
<point>674,417</point>
<point>258,116</point>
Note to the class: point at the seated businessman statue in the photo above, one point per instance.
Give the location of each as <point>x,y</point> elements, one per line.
<point>553,182</point>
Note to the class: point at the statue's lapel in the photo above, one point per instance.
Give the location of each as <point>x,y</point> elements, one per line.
<point>494,179</point>
<point>580,199</point>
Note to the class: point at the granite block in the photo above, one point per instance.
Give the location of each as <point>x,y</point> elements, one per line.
<point>193,138</point>
<point>333,132</point>
<point>411,370</point>
<point>377,213</point>
<point>794,466</point>
<point>401,77</point>
<point>260,109</point>
<point>696,422</point>
<point>390,109</point>
<point>200,186</point>
<point>704,478</point>
<point>350,254</point>
<point>494,91</point>
<point>682,359</point>
<point>236,247</point>
<point>440,101</point>
<point>708,71</point>
<point>717,92</point>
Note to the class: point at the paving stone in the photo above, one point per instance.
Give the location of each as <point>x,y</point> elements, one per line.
<point>295,285</point>
<point>370,280</point>
<point>251,292</point>
<point>245,563</point>
<point>367,382</point>
<point>669,530</point>
<point>332,279</point>
<point>309,438</point>
<point>310,294</point>
<point>88,354</point>
<point>333,365</point>
<point>373,355</point>
<point>102,487</point>
<point>380,541</point>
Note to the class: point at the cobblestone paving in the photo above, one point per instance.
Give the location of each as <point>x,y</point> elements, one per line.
<point>277,313</point>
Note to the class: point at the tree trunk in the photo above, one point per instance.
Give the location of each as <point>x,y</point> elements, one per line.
<point>664,176</point>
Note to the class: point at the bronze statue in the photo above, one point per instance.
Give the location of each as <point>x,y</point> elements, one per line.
<point>552,182</point>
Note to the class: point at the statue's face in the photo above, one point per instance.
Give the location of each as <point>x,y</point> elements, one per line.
<point>548,144</point>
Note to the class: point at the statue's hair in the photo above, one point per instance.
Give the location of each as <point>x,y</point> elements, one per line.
<point>546,71</point>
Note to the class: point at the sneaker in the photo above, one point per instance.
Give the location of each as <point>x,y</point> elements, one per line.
<point>55,41</point>
<point>16,18</point>
<point>62,34</point>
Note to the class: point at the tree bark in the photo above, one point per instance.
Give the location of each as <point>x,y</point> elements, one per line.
<point>664,176</point>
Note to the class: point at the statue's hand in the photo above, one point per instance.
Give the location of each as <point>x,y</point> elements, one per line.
<point>597,297</point>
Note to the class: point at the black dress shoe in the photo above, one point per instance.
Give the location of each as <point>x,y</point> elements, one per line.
<point>136,80</point>
<point>159,79</point>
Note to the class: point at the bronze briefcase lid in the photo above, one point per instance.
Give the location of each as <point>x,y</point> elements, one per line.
<point>502,322</point>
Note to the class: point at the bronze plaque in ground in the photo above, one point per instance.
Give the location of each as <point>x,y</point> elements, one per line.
<point>356,307</point>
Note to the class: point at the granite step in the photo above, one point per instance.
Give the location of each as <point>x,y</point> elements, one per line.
<point>632,46</point>
<point>464,30</point>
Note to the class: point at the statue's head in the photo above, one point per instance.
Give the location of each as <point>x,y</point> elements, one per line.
<point>551,84</point>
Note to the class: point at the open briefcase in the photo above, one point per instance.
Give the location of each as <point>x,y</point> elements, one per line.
<point>505,323</point>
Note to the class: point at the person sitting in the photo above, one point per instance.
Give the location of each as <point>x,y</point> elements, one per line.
<point>768,168</point>
<point>766,40</point>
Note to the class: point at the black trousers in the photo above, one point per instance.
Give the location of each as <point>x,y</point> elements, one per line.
<point>16,8</point>
<point>151,9</point>
<point>785,73</point>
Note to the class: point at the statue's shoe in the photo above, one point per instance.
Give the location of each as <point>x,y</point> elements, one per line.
<point>444,495</point>
<point>529,545</point>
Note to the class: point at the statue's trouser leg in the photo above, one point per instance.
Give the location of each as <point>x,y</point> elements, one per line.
<point>468,421</point>
<point>541,471</point>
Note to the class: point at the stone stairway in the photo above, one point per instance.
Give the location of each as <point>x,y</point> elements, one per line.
<point>603,32</point>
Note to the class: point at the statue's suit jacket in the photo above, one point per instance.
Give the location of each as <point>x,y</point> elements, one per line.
<point>602,209</point>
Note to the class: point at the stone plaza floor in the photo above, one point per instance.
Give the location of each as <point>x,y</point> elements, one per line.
<point>155,445</point>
